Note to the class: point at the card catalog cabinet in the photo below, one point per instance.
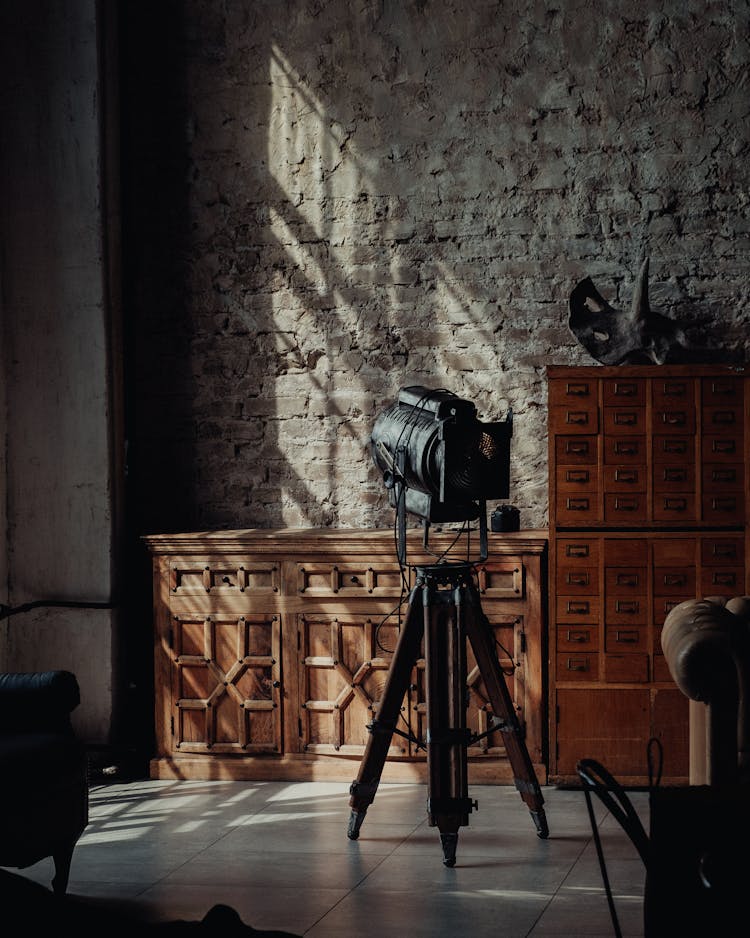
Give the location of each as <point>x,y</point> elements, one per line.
<point>648,508</point>
<point>272,649</point>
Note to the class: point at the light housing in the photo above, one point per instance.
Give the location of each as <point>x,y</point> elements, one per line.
<point>438,460</point>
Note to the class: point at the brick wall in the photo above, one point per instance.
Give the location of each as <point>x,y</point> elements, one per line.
<point>326,201</point>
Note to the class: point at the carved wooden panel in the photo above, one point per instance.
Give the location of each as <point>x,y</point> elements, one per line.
<point>227,683</point>
<point>343,665</point>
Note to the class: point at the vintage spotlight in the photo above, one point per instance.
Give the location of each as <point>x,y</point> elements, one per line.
<point>439,461</point>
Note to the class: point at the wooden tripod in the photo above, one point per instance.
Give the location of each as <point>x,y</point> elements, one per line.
<point>444,609</point>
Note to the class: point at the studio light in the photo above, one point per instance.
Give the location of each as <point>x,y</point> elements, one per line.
<point>439,461</point>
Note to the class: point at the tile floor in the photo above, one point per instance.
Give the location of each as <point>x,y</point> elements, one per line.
<point>278,853</point>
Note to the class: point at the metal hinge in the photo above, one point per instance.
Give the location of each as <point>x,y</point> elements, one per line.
<point>523,643</point>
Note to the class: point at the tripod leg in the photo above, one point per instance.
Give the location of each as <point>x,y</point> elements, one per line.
<point>364,787</point>
<point>480,635</point>
<point>448,803</point>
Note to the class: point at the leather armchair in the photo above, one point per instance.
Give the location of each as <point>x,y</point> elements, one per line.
<point>706,644</point>
<point>43,772</point>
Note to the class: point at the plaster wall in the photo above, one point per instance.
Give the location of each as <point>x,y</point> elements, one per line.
<point>58,474</point>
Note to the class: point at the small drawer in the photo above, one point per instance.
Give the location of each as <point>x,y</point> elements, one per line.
<point>624,478</point>
<point>722,477</point>
<point>501,580</point>
<point>663,605</point>
<point>348,580</point>
<point>625,450</point>
<point>623,391</point>
<point>661,669</point>
<point>577,638</point>
<point>626,610</point>
<point>722,390</point>
<point>578,510</point>
<point>575,551</point>
<point>721,581</point>
<point>573,479</point>
<point>678,507</point>
<point>722,550</point>
<point>573,391</point>
<point>581,666</point>
<point>624,420</point>
<point>721,448</point>
<point>722,420</point>
<point>626,668</point>
<point>223,576</point>
<point>576,450</point>
<point>625,551</point>
<point>625,508</point>
<point>626,581</point>
<point>724,508</point>
<point>575,610</point>
<point>583,418</point>
<point>674,420</point>
<point>671,448</point>
<point>670,551</point>
<point>626,638</point>
<point>674,581</point>
<point>668,393</point>
<point>674,477</point>
<point>577,579</point>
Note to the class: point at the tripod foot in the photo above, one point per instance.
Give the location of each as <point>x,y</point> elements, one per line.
<point>355,822</point>
<point>449,842</point>
<point>540,822</point>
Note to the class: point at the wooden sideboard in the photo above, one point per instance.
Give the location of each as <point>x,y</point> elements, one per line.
<point>271,649</point>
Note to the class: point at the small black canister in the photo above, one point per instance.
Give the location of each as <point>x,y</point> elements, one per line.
<point>505,518</point>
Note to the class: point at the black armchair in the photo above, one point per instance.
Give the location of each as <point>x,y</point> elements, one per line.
<point>43,772</point>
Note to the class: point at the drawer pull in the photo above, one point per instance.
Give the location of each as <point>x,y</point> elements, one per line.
<point>631,607</point>
<point>629,637</point>
<point>623,448</point>
<point>724,418</point>
<point>627,579</point>
<point>576,550</point>
<point>725,551</point>
<point>723,579</point>
<point>577,504</point>
<point>577,475</point>
<point>723,388</point>
<point>674,447</point>
<point>674,475</point>
<point>577,664</point>
<point>677,419</point>
<point>577,417</point>
<point>724,475</point>
<point>577,390</point>
<point>674,389</point>
<point>626,420</point>
<point>728,503</point>
<point>581,608</point>
<point>675,504</point>
<point>625,389</point>
<point>675,579</point>
<point>626,475</point>
<point>578,579</point>
<point>625,504</point>
<point>577,448</point>
<point>578,637</point>
<point>724,446</point>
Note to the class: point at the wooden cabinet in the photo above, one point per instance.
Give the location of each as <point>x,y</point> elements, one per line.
<point>648,508</point>
<point>272,649</point>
